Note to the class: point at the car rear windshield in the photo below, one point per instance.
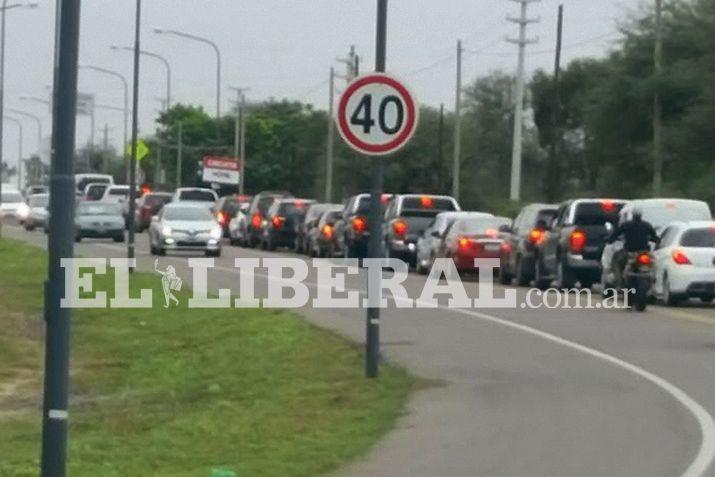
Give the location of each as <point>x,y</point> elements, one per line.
<point>187,213</point>
<point>197,196</point>
<point>480,226</point>
<point>545,217</point>
<point>315,211</point>
<point>230,206</point>
<point>333,216</point>
<point>428,203</point>
<point>154,200</point>
<point>597,213</point>
<point>98,208</point>
<point>96,191</point>
<point>10,197</point>
<point>664,215</point>
<point>121,192</point>
<point>363,205</point>
<point>39,201</point>
<point>699,238</point>
<point>292,209</point>
<point>265,203</point>
<point>88,180</point>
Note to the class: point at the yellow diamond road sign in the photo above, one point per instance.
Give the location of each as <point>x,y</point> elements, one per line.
<point>142,150</point>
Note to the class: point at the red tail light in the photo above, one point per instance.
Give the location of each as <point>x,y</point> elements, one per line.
<point>680,258</point>
<point>359,225</point>
<point>426,202</point>
<point>644,259</point>
<point>278,222</point>
<point>464,243</point>
<point>578,241</point>
<point>221,217</point>
<point>385,198</point>
<point>506,247</point>
<point>256,221</point>
<point>536,236</point>
<point>327,231</point>
<point>400,228</point>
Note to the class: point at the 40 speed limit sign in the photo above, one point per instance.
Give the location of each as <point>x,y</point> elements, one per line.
<point>377,114</point>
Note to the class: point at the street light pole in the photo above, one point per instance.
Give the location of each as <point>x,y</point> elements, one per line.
<point>215,47</point>
<point>239,146</point>
<point>60,242</point>
<point>38,122</point>
<point>125,85</point>
<point>159,57</point>
<point>18,123</point>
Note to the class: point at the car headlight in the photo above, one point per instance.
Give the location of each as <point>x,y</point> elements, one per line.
<point>216,233</point>
<point>166,230</point>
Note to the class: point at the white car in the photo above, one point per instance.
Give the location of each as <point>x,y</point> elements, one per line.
<point>685,263</point>
<point>660,213</point>
<point>185,226</point>
<point>12,205</point>
<point>39,204</point>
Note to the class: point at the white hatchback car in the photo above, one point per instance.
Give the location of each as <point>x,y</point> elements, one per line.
<point>685,263</point>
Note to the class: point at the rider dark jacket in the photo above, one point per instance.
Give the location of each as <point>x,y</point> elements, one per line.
<point>637,233</point>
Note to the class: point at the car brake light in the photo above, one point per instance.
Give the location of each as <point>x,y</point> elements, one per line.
<point>327,231</point>
<point>256,221</point>
<point>578,241</point>
<point>299,204</point>
<point>680,258</point>
<point>221,218</point>
<point>536,236</point>
<point>644,259</point>
<point>463,242</point>
<point>506,247</point>
<point>277,221</point>
<point>359,225</point>
<point>608,206</point>
<point>492,233</point>
<point>426,202</point>
<point>400,228</point>
<point>385,198</point>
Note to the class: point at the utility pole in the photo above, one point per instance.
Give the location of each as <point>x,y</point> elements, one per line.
<point>440,148</point>
<point>374,249</point>
<point>657,107</point>
<point>105,149</point>
<point>456,163</point>
<point>179,153</point>
<point>522,42</point>
<point>239,135</point>
<point>60,242</point>
<point>554,171</point>
<point>242,150</point>
<point>331,139</point>
<point>135,133</point>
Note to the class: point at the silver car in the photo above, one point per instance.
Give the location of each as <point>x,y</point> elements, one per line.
<point>185,226</point>
<point>38,204</point>
<point>99,220</point>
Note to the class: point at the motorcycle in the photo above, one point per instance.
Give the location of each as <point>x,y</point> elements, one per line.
<point>638,277</point>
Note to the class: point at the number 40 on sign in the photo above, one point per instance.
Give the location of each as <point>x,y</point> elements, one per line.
<point>377,115</point>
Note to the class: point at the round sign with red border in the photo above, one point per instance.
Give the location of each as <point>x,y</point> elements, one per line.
<point>377,114</point>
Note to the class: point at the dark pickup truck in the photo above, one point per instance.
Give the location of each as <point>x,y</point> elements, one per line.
<point>571,250</point>
<point>406,218</point>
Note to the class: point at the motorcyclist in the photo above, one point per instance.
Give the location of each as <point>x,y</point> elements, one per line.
<point>637,235</point>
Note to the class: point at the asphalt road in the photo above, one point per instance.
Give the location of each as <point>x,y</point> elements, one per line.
<point>520,391</point>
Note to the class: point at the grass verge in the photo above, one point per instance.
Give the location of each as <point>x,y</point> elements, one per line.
<point>180,392</point>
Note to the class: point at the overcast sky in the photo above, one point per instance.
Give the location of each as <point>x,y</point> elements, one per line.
<point>284,49</point>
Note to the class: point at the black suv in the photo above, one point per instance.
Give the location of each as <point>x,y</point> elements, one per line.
<point>351,229</point>
<point>571,250</point>
<point>282,221</point>
<point>406,218</point>
<point>257,215</point>
<point>521,240</point>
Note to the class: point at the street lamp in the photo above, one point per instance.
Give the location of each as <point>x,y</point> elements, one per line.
<point>158,57</point>
<point>18,123</point>
<point>125,85</point>
<point>162,31</point>
<point>38,122</point>
<point>5,7</point>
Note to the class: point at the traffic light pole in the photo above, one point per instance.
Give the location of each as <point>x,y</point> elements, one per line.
<point>135,133</point>
<point>60,242</point>
<point>372,355</point>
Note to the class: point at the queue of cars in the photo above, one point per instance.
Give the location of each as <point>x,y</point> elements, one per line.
<point>564,245</point>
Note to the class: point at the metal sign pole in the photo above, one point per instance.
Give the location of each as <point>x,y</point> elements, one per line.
<point>60,242</point>
<point>135,133</point>
<point>375,222</point>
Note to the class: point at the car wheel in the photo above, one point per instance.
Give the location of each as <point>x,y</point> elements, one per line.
<point>78,238</point>
<point>669,298</point>
<point>541,282</point>
<point>522,277</point>
<point>270,245</point>
<point>503,274</point>
<point>564,276</point>
<point>161,251</point>
<point>707,299</point>
<point>119,238</point>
